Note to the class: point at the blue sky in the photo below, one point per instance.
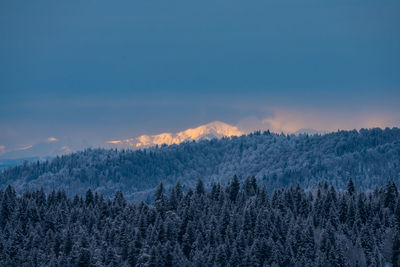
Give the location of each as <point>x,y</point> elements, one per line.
<point>100,70</point>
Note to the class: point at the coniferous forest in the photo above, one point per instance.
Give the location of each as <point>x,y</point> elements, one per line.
<point>294,200</point>
<point>370,157</point>
<point>239,224</point>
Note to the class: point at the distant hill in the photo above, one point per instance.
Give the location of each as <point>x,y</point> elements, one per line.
<point>6,163</point>
<point>42,150</point>
<point>371,157</point>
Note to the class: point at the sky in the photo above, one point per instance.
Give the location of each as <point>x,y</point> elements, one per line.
<point>99,70</point>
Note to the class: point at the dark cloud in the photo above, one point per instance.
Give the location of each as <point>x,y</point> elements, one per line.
<point>103,70</point>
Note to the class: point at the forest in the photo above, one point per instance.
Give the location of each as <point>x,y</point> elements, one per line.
<point>369,156</point>
<point>239,224</point>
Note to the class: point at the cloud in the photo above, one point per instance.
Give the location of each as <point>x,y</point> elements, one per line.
<point>114,142</point>
<point>52,139</point>
<point>295,120</point>
<point>25,147</point>
<point>2,148</point>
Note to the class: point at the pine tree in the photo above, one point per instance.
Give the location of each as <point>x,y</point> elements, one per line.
<point>159,192</point>
<point>200,187</point>
<point>396,250</point>
<point>234,188</point>
<point>390,195</point>
<point>350,187</point>
<point>89,197</point>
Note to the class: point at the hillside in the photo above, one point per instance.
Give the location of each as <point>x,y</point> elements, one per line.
<point>369,157</point>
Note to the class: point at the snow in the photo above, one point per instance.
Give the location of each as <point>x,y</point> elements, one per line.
<point>216,129</point>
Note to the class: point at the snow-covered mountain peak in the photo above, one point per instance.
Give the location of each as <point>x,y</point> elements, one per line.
<point>216,129</point>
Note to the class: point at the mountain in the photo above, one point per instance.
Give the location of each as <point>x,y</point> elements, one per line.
<point>53,147</point>
<point>370,157</point>
<point>41,151</point>
<point>216,129</point>
<point>48,148</point>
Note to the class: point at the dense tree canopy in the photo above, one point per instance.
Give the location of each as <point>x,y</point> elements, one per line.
<point>235,225</point>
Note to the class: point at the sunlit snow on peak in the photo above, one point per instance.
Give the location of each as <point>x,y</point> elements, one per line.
<point>214,129</point>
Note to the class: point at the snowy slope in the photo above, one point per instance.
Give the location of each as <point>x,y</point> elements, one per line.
<point>216,129</point>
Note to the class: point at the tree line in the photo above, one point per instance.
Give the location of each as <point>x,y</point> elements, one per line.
<point>239,224</point>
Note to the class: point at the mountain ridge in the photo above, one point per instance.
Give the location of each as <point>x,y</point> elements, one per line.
<point>215,129</point>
